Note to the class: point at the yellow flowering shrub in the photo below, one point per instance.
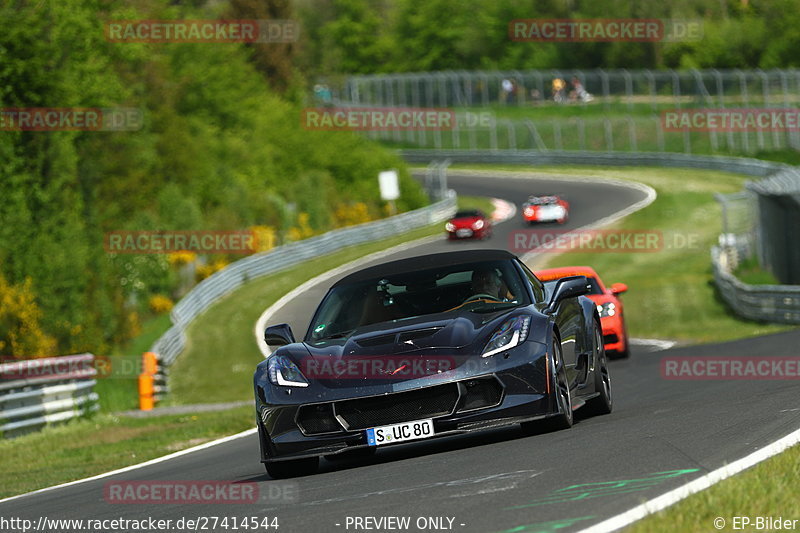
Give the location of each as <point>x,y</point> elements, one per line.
<point>204,271</point>
<point>160,304</point>
<point>21,334</point>
<point>264,238</point>
<point>183,257</point>
<point>303,230</point>
<point>351,214</point>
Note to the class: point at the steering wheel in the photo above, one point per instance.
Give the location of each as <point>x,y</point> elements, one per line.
<point>480,296</point>
<point>475,297</point>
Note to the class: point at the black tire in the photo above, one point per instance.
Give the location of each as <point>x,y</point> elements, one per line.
<point>600,405</point>
<point>294,468</point>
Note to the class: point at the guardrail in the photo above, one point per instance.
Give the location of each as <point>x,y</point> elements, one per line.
<point>610,87</point>
<point>37,392</point>
<point>771,303</point>
<point>170,345</point>
<point>739,165</point>
<point>632,99</point>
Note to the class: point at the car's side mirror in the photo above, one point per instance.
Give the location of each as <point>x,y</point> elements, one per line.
<point>279,335</point>
<point>569,287</point>
<point>618,288</point>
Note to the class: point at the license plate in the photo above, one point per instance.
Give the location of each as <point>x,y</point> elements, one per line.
<point>463,232</point>
<point>418,429</point>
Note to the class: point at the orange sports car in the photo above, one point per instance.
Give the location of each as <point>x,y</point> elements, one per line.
<point>609,306</point>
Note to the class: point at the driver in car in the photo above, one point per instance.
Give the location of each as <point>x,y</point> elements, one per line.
<point>487,282</point>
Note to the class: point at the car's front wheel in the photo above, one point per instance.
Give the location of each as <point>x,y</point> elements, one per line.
<point>294,468</point>
<point>602,404</point>
<point>565,417</point>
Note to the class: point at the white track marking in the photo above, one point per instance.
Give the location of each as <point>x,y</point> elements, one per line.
<point>665,500</point>
<point>658,343</point>
<point>139,465</point>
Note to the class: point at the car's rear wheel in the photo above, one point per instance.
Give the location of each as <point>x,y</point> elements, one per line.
<point>294,468</point>
<point>602,404</point>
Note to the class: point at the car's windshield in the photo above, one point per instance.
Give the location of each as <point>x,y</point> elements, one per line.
<point>477,287</point>
<point>468,213</point>
<point>550,284</point>
<point>542,200</point>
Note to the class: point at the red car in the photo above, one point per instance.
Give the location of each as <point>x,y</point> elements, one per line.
<point>545,209</point>
<point>469,224</point>
<point>609,306</point>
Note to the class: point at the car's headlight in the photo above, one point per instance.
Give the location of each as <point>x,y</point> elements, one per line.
<point>512,333</point>
<point>607,309</point>
<point>450,226</point>
<point>478,224</point>
<point>528,211</point>
<point>282,371</point>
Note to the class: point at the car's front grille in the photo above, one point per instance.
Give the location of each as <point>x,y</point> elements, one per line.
<point>416,404</point>
<point>316,419</point>
<point>480,393</point>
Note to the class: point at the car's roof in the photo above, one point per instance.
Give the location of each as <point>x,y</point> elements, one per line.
<point>425,262</point>
<point>562,272</point>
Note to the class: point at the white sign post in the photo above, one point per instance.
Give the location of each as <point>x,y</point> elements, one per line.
<point>390,187</point>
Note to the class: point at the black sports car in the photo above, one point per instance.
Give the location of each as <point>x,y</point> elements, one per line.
<point>426,347</point>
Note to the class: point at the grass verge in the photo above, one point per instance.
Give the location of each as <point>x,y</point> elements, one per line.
<point>768,489</point>
<point>749,271</point>
<point>104,442</point>
<point>670,292</point>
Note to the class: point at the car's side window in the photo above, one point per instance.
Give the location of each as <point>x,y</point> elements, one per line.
<point>536,285</point>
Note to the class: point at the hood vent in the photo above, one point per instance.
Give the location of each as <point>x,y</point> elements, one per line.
<point>397,338</point>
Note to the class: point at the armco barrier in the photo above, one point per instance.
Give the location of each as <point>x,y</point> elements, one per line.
<point>739,165</point>
<point>770,303</point>
<point>36,392</point>
<point>169,345</point>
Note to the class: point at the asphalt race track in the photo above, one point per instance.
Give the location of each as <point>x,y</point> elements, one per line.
<point>662,434</point>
